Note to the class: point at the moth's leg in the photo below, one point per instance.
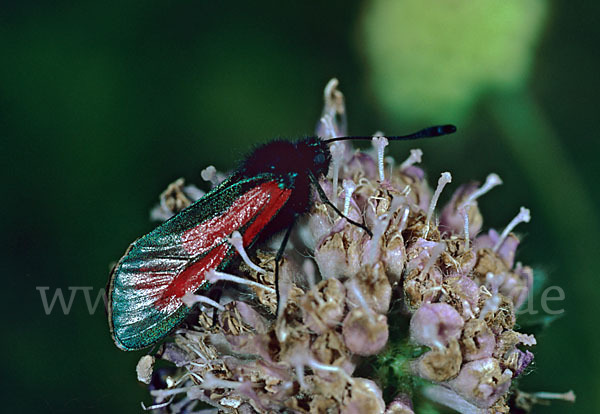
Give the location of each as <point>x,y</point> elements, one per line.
<point>215,318</point>
<point>278,258</point>
<point>215,294</point>
<point>325,200</point>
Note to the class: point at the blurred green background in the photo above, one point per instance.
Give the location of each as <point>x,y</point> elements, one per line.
<point>102,104</point>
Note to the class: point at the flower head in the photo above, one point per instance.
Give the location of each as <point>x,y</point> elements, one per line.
<point>417,282</point>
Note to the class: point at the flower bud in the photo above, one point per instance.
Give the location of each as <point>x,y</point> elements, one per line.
<point>435,324</point>
<point>365,397</point>
<point>394,257</point>
<point>507,249</point>
<point>365,332</point>
<point>363,164</point>
<point>439,364</point>
<point>516,285</point>
<point>323,307</point>
<point>482,382</point>
<point>371,286</point>
<point>319,226</point>
<point>462,293</point>
<point>339,254</point>
<point>477,340</point>
<point>452,217</point>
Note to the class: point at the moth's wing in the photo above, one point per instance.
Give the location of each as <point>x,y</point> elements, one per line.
<point>148,283</point>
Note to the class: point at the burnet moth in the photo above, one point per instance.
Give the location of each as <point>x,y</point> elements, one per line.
<point>264,196</point>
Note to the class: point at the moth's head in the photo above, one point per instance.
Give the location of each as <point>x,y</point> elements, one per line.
<point>315,155</point>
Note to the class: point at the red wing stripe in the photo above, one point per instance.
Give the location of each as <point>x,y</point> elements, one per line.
<point>257,207</point>
<point>261,202</point>
<point>278,199</point>
<point>190,279</point>
<point>204,236</point>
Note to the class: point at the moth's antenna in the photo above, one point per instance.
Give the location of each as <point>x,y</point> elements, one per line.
<point>434,131</point>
